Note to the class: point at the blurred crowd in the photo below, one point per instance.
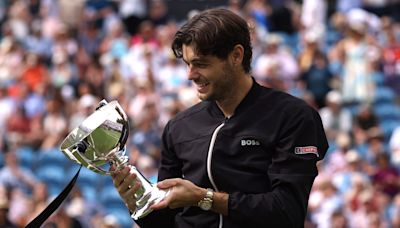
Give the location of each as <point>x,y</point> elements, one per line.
<point>58,59</point>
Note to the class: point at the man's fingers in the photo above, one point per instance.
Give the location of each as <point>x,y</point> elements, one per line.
<point>129,196</point>
<point>119,176</point>
<point>128,183</point>
<point>166,202</point>
<point>160,205</point>
<point>113,171</point>
<point>132,189</point>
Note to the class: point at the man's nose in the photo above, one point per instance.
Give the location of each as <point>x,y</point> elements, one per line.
<point>192,73</point>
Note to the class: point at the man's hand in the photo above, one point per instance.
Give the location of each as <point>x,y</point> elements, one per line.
<point>126,185</point>
<point>182,193</point>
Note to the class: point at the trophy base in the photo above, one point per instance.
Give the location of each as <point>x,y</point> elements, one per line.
<point>153,197</point>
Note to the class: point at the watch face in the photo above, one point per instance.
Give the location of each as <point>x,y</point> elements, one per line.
<point>205,205</point>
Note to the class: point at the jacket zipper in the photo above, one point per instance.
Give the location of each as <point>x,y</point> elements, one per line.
<point>209,158</point>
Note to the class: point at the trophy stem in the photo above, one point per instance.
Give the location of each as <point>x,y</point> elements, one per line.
<point>119,159</point>
<point>147,195</point>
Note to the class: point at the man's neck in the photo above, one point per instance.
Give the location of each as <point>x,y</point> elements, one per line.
<point>229,104</point>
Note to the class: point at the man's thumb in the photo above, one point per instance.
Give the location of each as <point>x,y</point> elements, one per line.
<point>167,183</point>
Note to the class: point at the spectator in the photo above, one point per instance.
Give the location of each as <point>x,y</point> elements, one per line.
<point>334,117</point>
<point>94,76</point>
<point>259,10</point>
<point>142,60</point>
<point>236,7</point>
<point>386,177</point>
<point>330,202</point>
<point>35,72</point>
<point>337,160</point>
<point>313,15</point>
<point>79,208</point>
<point>14,177</point>
<point>62,72</point>
<point>339,219</point>
<point>276,67</point>
<point>352,52</point>
<point>34,101</point>
<point>375,146</point>
<point>115,87</point>
<point>110,221</point>
<point>146,136</point>
<point>364,120</point>
<point>54,125</point>
<point>365,214</point>
<point>158,13</point>
<point>145,95</point>
<point>172,76</point>
<point>89,38</point>
<point>19,19</point>
<point>37,203</point>
<point>115,44</point>
<point>64,42</point>
<point>354,196</point>
<point>71,12</point>
<point>37,44</point>
<point>18,127</point>
<point>355,169</point>
<point>11,58</point>
<point>132,13</point>
<point>391,54</point>
<point>315,71</point>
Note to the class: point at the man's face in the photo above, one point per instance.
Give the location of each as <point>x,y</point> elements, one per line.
<point>213,77</point>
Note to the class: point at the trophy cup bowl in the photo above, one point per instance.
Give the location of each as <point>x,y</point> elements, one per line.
<point>99,141</point>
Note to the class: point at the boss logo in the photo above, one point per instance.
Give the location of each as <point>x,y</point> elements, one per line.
<point>249,142</point>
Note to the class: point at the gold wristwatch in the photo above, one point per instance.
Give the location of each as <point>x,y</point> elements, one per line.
<point>207,201</point>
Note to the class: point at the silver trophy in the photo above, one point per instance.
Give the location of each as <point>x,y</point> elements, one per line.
<point>99,141</point>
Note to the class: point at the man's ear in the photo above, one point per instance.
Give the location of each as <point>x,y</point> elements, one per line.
<point>237,54</point>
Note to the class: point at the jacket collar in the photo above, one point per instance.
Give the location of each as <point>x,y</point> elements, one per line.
<point>247,101</point>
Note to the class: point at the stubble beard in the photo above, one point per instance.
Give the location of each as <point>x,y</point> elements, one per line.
<point>222,88</point>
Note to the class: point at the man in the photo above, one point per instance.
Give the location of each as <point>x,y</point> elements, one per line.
<point>247,152</point>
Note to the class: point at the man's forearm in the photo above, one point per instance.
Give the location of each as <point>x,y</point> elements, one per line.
<point>220,204</point>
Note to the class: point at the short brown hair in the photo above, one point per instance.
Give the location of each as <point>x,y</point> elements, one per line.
<point>215,32</point>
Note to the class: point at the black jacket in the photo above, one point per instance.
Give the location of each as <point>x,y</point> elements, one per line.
<point>264,157</point>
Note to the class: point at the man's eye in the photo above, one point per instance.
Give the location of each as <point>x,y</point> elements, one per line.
<point>201,65</point>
